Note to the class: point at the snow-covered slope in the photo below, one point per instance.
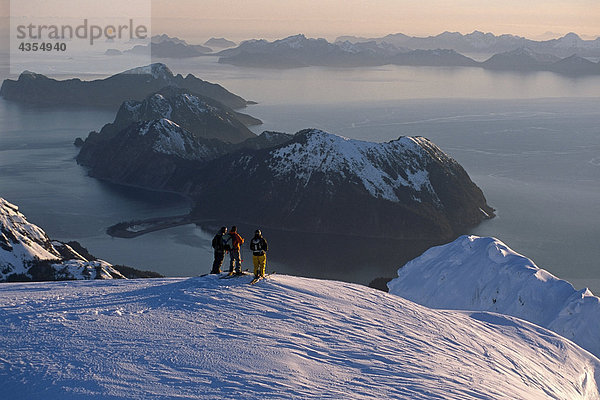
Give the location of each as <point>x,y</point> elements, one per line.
<point>26,252</point>
<point>284,338</point>
<point>383,169</point>
<point>482,273</point>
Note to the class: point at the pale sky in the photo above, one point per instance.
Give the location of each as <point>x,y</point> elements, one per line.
<point>243,19</point>
<point>240,19</point>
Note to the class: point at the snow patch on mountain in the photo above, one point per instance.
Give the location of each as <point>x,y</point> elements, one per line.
<point>284,338</point>
<point>171,139</point>
<point>24,245</point>
<point>484,274</point>
<point>372,163</point>
<point>20,241</point>
<point>160,105</point>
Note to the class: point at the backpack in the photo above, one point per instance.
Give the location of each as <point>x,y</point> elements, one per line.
<point>258,246</point>
<point>217,243</point>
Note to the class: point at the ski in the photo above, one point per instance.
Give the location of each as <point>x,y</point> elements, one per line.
<point>234,274</point>
<point>253,281</point>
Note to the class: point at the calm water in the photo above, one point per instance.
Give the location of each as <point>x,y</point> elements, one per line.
<point>530,141</point>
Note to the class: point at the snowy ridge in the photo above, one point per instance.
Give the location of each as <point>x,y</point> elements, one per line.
<point>24,245</point>
<point>376,165</point>
<point>283,338</point>
<point>20,241</point>
<point>170,138</point>
<point>484,274</point>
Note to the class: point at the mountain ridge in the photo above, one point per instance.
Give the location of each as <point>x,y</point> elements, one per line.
<point>502,281</point>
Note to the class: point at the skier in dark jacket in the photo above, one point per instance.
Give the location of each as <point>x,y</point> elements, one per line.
<point>259,247</point>
<point>219,246</point>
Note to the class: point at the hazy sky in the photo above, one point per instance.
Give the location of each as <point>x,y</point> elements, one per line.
<point>243,19</point>
<point>330,18</point>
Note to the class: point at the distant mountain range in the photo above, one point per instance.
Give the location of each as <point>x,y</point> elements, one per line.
<point>136,83</point>
<point>479,42</point>
<point>520,54</point>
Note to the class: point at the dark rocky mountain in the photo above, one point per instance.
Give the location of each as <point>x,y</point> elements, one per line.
<point>220,43</point>
<point>575,66</point>
<point>154,143</point>
<point>155,154</point>
<point>164,46</point>
<point>522,59</point>
<point>202,116</point>
<point>310,182</point>
<point>133,84</point>
<point>319,182</point>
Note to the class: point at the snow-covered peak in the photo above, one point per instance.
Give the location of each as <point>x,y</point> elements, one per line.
<point>293,42</point>
<point>484,274</point>
<point>24,245</point>
<point>382,168</point>
<point>21,242</point>
<point>283,338</point>
<point>157,70</point>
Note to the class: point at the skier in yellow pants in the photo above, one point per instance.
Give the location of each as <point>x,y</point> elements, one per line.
<point>259,247</point>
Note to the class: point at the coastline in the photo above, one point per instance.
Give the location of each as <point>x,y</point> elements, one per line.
<point>132,229</point>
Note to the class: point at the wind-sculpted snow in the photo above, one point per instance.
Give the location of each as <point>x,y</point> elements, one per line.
<point>382,168</point>
<point>284,338</point>
<point>482,273</point>
<point>24,247</point>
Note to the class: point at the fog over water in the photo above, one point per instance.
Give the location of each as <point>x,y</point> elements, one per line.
<point>530,141</point>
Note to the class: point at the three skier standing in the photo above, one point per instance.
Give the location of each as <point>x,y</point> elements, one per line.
<point>230,242</point>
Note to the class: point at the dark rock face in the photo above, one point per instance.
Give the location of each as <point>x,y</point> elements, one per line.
<point>318,182</point>
<point>151,154</point>
<point>136,84</point>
